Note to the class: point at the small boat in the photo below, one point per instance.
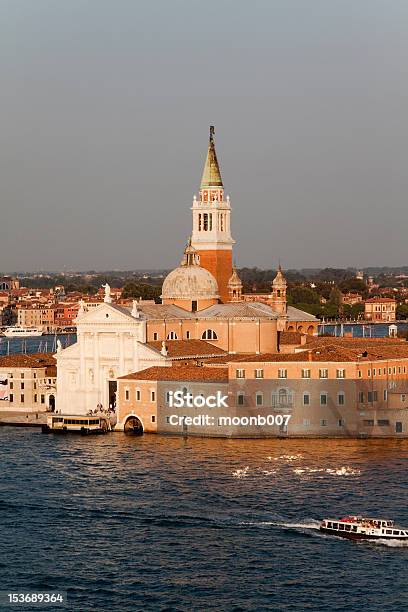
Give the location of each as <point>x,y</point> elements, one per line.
<point>363,528</point>
<point>22,332</point>
<point>74,423</point>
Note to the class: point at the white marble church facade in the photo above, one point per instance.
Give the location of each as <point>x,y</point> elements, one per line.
<point>111,343</point>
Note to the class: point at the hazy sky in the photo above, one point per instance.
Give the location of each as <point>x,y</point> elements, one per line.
<point>104,115</point>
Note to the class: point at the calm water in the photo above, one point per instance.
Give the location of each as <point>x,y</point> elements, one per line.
<point>160,523</point>
<point>378,330</point>
<point>39,344</point>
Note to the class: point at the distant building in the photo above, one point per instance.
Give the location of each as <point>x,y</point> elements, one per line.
<point>352,298</point>
<point>27,382</point>
<point>380,309</point>
<point>7,283</point>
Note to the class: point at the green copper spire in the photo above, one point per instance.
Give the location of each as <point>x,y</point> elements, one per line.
<point>211,175</point>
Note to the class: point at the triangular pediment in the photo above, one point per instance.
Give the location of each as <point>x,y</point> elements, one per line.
<point>106,314</point>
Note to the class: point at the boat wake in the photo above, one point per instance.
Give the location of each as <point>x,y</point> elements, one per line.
<point>389,543</point>
<point>312,524</point>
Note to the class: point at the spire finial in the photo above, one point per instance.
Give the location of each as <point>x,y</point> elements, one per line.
<point>211,175</point>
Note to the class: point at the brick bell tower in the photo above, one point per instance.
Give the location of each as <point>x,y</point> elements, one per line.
<point>211,235</point>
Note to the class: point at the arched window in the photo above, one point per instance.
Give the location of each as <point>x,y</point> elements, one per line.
<point>172,336</point>
<point>209,334</point>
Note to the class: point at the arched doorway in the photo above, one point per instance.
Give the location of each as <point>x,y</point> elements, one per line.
<point>51,403</point>
<point>133,425</point>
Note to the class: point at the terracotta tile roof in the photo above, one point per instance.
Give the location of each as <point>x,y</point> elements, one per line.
<point>315,341</point>
<point>287,337</point>
<point>335,353</point>
<point>35,360</point>
<point>180,373</point>
<point>178,349</point>
<point>379,299</point>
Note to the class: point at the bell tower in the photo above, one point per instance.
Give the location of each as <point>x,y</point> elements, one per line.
<point>279,286</point>
<point>211,236</point>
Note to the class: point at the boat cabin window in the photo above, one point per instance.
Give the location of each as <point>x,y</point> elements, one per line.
<point>335,525</point>
<point>348,527</point>
<point>341,527</point>
<point>329,524</point>
<point>354,528</point>
<point>389,531</point>
<point>396,532</point>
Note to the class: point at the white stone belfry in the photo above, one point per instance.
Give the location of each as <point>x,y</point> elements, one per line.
<point>211,213</point>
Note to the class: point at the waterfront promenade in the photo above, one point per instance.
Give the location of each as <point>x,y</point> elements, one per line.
<point>22,419</point>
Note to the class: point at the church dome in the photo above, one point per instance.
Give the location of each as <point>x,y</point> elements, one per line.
<point>190,281</point>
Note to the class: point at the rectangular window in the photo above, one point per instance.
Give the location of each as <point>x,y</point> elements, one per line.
<point>323,399</point>
<point>341,373</point>
<point>282,373</point>
<point>259,373</point>
<point>188,335</point>
<point>35,398</point>
<point>153,418</point>
<point>368,422</point>
<point>340,422</point>
<point>341,399</point>
<point>259,399</point>
<point>11,385</point>
<point>398,427</point>
<point>22,398</point>
<point>383,422</point>
<point>323,373</point>
<point>305,373</point>
<point>369,373</point>
<point>152,396</point>
<point>127,395</point>
<point>323,423</point>
<point>359,374</point>
<point>240,399</point>
<point>306,422</point>
<point>361,397</point>
<point>306,399</point>
<point>385,395</point>
<point>43,399</point>
<point>240,373</point>
<point>22,385</point>
<point>374,371</point>
<point>155,336</point>
<point>403,397</point>
<point>138,395</point>
<point>22,374</point>
<point>11,398</point>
